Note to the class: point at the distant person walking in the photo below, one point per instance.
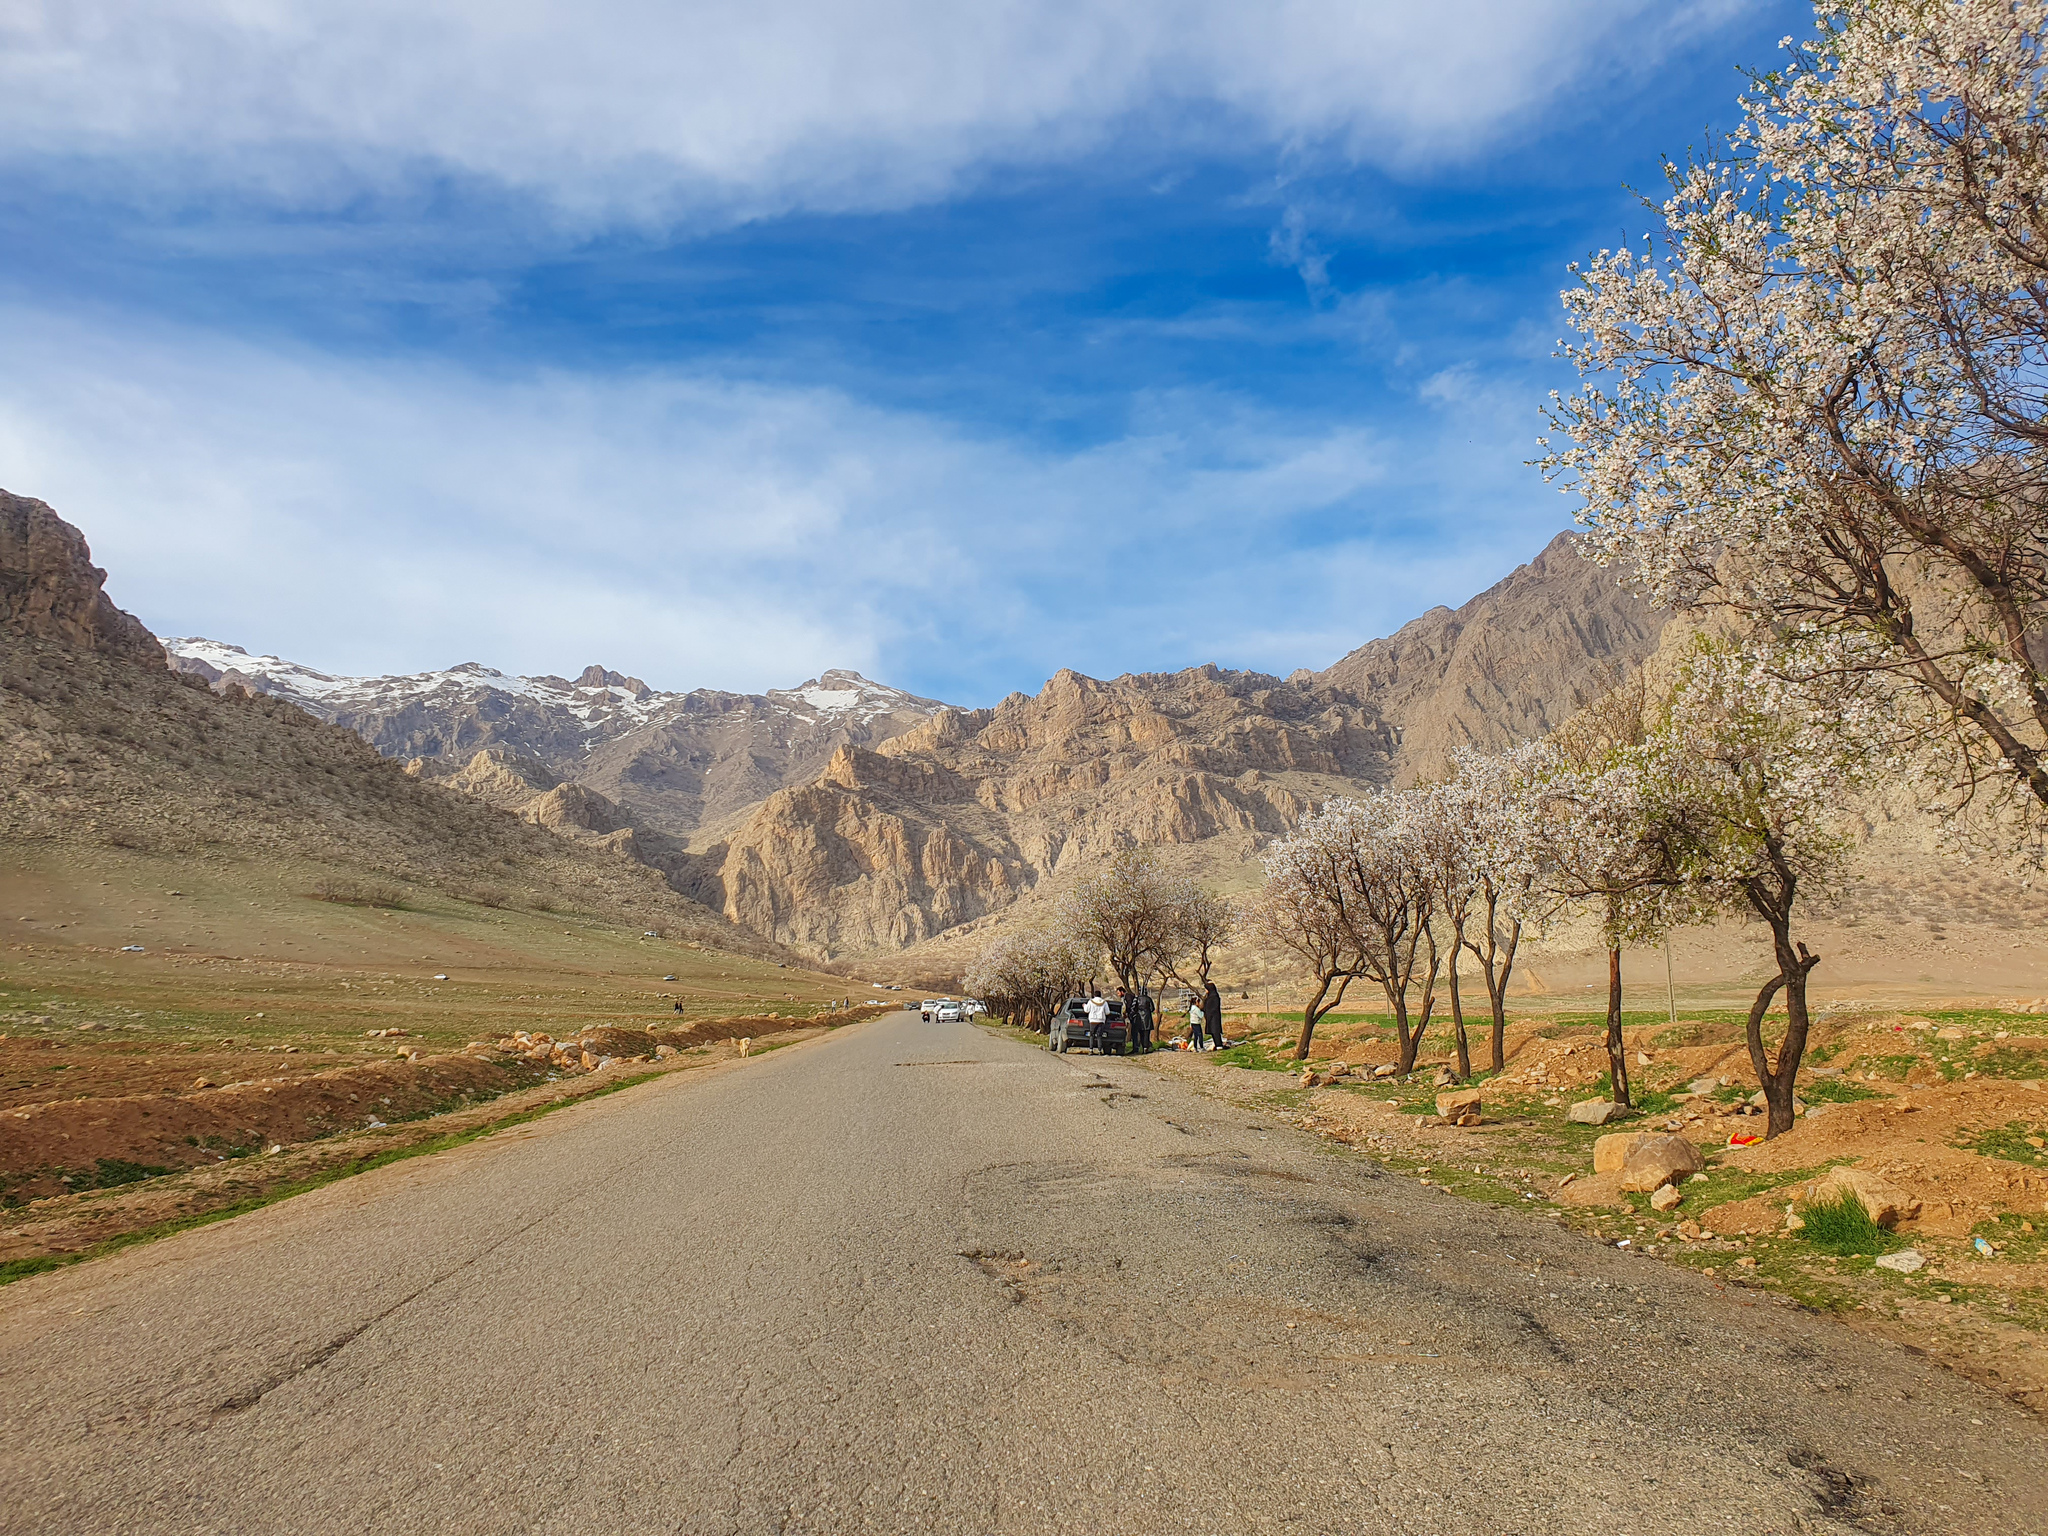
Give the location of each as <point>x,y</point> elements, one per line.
<point>1195,1021</point>
<point>1142,1023</point>
<point>1212,1011</point>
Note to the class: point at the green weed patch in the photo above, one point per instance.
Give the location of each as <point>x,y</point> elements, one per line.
<point>2011,1143</point>
<point>1843,1226</point>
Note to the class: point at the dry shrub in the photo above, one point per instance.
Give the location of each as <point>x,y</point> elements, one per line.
<point>357,893</point>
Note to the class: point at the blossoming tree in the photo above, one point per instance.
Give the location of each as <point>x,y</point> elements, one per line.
<point>1753,786</point>
<point>1823,403</point>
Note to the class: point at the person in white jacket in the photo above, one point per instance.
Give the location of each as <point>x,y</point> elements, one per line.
<point>1195,1019</point>
<point>1098,1017</point>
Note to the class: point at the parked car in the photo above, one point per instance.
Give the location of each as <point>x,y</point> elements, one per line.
<point>927,1008</point>
<point>1072,1029</point>
<point>949,1013</point>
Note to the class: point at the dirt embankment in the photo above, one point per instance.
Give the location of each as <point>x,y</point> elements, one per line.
<point>1947,1116</point>
<point>59,1147</point>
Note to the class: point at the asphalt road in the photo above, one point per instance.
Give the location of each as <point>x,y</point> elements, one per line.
<point>914,1277</point>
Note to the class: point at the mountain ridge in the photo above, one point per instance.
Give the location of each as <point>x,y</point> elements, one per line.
<point>844,816</point>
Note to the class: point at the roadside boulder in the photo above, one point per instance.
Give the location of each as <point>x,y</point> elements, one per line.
<point>1593,1112</point>
<point>1885,1201</point>
<point>1905,1263</point>
<point>1458,1103</point>
<point>1655,1161</point>
<point>1611,1151</point>
<point>1665,1198</point>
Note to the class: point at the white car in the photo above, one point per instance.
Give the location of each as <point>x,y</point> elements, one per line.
<point>927,1008</point>
<point>948,1013</point>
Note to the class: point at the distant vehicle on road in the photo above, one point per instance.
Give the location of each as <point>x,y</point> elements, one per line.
<point>908,1003</point>
<point>948,1013</point>
<point>1072,1029</point>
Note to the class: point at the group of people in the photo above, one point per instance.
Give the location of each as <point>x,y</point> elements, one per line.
<point>1140,1014</point>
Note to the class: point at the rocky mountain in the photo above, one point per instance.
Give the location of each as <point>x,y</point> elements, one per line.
<point>971,811</point>
<point>672,762</point>
<point>103,745</point>
<point>1508,666</point>
<point>50,589</point>
<point>844,817</point>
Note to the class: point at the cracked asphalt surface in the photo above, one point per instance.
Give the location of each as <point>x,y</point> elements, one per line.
<point>916,1277</point>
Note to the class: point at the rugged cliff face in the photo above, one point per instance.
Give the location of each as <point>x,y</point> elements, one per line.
<point>51,590</point>
<point>968,813</point>
<point>1508,666</point>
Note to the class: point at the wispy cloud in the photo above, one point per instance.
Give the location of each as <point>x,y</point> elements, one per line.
<point>397,514</point>
<point>649,110</point>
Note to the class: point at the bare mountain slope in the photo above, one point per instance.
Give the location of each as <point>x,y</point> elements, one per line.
<point>101,744</point>
<point>1507,666</point>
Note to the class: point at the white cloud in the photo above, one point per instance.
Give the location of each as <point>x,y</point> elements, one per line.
<point>393,515</point>
<point>648,109</point>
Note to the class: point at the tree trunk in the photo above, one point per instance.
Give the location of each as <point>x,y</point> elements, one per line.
<point>1497,962</point>
<point>1411,1042</point>
<point>1780,1080</point>
<point>1313,1013</point>
<point>1397,1003</point>
<point>1617,1050</point>
<point>1458,1023</point>
<point>1497,994</point>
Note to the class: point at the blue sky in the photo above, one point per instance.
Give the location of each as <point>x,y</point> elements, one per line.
<point>725,342</point>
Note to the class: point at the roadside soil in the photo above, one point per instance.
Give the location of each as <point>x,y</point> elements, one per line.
<point>1949,1106</point>
<point>81,1173</point>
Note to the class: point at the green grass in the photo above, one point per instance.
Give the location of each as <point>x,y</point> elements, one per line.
<point>1843,1226</point>
<point>1834,1090</point>
<point>2009,1142</point>
<point>1723,1185</point>
<point>2006,1060</point>
<point>1258,1055</point>
<point>20,1269</point>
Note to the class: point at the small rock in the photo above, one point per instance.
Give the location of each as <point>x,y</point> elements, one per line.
<point>1386,1069</point>
<point>1593,1112</point>
<point>1338,1069</point>
<point>1905,1263</point>
<point>1308,1075</point>
<point>1704,1085</point>
<point>1642,1058</point>
<point>1747,1261</point>
<point>1949,1032</point>
<point>1689,1230</point>
<point>1665,1198</point>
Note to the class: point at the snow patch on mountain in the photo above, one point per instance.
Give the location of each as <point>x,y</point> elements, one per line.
<point>606,708</point>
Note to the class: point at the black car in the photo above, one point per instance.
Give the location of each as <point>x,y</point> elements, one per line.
<point>1072,1029</point>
